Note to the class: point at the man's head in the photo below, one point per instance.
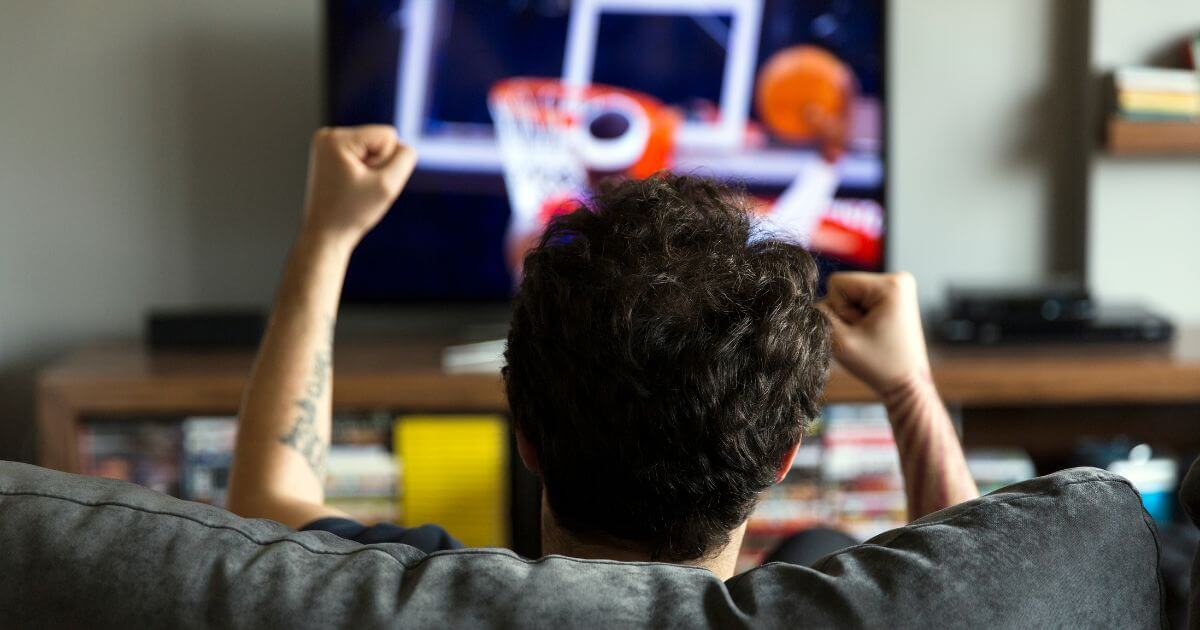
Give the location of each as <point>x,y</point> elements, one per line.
<point>662,364</point>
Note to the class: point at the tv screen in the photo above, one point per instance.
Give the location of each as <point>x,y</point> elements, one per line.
<point>519,109</point>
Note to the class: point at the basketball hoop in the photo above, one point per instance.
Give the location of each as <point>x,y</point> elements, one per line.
<point>547,144</point>
<point>533,119</point>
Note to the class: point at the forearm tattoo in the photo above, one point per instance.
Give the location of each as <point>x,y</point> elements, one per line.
<point>304,436</point>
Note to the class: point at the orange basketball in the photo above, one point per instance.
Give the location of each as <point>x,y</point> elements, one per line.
<point>795,79</point>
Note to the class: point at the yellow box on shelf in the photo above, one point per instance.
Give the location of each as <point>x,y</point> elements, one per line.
<point>456,475</point>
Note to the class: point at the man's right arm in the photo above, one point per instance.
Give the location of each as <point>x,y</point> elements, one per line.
<point>877,336</point>
<point>284,424</point>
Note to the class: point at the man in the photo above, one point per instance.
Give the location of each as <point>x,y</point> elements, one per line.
<point>663,362</point>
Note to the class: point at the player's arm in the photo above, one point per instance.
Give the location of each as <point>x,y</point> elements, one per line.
<point>877,336</point>
<point>285,420</point>
<point>799,209</point>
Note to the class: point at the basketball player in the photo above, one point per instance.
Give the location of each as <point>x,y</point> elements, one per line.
<point>798,211</point>
<point>805,94</point>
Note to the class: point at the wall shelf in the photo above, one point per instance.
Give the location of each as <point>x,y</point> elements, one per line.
<point>1153,138</point>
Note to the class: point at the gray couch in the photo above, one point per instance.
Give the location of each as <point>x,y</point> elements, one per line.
<point>1073,549</point>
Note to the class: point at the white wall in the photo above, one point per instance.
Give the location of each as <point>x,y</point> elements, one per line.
<point>1144,225</point>
<point>981,142</point>
<point>150,154</point>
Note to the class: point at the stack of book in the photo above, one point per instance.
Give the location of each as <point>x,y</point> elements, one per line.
<point>861,470</point>
<point>1157,94</point>
<point>206,458</point>
<point>361,482</point>
<point>192,459</point>
<point>362,477</point>
<point>145,453</point>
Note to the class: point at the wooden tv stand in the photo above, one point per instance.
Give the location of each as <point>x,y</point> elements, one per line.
<point>1040,398</point>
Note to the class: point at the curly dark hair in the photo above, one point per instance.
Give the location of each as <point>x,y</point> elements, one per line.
<point>662,362</point>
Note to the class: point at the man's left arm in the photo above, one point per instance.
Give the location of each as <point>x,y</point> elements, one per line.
<point>285,421</point>
<point>877,336</point>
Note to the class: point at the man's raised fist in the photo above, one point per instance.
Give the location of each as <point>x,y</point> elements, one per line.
<point>354,175</point>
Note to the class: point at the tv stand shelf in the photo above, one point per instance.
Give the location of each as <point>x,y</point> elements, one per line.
<point>125,380</point>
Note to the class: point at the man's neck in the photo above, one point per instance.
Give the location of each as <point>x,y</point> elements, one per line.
<point>558,541</point>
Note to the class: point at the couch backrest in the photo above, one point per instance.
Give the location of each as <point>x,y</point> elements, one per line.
<point>1073,549</point>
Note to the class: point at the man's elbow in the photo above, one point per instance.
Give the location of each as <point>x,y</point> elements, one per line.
<point>241,503</point>
<point>292,512</point>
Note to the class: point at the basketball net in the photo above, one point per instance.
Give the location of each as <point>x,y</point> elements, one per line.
<point>533,120</point>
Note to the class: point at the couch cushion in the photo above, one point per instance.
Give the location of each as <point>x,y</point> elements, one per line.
<point>1070,549</point>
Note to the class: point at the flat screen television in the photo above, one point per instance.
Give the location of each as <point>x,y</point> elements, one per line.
<point>783,98</point>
